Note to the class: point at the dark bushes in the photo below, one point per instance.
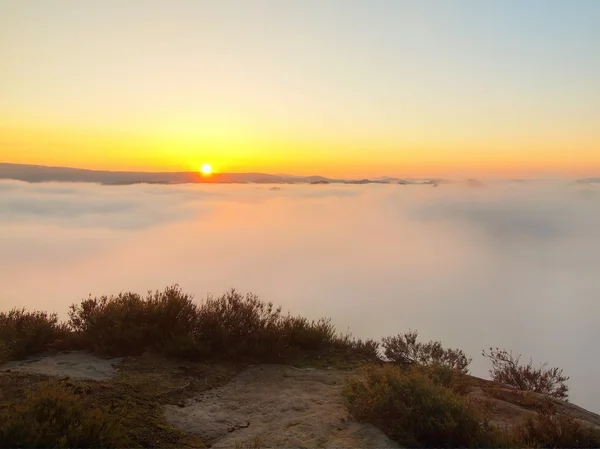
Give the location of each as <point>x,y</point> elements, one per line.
<point>308,335</point>
<point>550,429</point>
<point>445,377</point>
<point>411,409</point>
<point>366,348</point>
<point>233,325</point>
<point>405,351</point>
<point>56,415</point>
<point>415,408</point>
<point>506,369</point>
<point>24,333</point>
<point>128,324</point>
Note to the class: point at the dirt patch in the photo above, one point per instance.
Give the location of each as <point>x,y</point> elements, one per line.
<point>276,406</point>
<point>76,364</point>
<point>171,381</point>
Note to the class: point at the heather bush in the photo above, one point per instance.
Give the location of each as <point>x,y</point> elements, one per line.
<point>25,333</point>
<point>236,325</point>
<point>56,415</point>
<point>243,326</point>
<point>233,325</point>
<point>507,369</point>
<point>412,409</point>
<point>445,377</point>
<point>128,324</point>
<point>304,334</point>
<point>552,430</point>
<point>404,350</point>
<point>4,353</point>
<point>366,348</point>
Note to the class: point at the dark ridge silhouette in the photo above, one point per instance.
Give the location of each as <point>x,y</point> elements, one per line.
<point>39,173</point>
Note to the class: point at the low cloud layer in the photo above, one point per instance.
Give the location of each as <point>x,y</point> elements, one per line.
<point>511,265</point>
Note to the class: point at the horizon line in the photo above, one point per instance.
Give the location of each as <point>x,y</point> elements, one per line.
<point>299,177</point>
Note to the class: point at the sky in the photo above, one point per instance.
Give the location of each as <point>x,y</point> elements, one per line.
<point>514,265</point>
<point>330,87</point>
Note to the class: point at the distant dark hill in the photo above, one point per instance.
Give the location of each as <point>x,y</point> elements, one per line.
<point>39,173</point>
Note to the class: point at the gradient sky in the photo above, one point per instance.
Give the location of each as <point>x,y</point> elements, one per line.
<point>379,87</point>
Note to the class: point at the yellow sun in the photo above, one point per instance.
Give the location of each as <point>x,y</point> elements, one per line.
<point>206,169</point>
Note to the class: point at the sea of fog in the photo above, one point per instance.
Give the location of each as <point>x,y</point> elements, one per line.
<point>514,265</point>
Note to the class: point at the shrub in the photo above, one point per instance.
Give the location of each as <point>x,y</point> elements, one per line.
<point>411,409</point>
<point>308,335</point>
<point>4,352</point>
<point>57,415</point>
<point>235,325</point>
<point>507,370</point>
<point>128,324</point>
<point>550,429</point>
<point>405,350</point>
<point>232,326</point>
<point>367,348</point>
<point>243,326</point>
<point>25,333</point>
<point>445,377</point>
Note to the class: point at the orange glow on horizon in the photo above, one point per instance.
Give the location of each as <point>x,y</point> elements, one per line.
<point>428,92</point>
<point>341,158</point>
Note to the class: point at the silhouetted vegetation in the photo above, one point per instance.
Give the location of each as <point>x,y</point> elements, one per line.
<point>507,369</point>
<point>404,350</point>
<point>129,324</point>
<point>230,326</point>
<point>25,333</point>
